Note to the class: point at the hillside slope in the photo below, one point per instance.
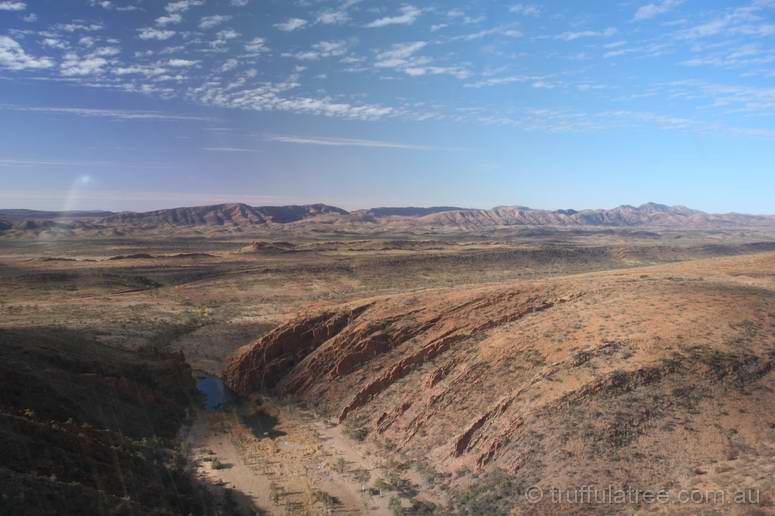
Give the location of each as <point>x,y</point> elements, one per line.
<point>221,214</point>
<point>235,216</point>
<point>642,378</point>
<point>86,429</point>
<point>650,214</point>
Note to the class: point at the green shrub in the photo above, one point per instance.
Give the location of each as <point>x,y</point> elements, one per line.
<point>395,506</point>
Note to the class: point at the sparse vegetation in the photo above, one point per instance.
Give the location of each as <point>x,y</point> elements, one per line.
<point>623,360</point>
<point>496,493</point>
<point>395,506</point>
<point>356,429</point>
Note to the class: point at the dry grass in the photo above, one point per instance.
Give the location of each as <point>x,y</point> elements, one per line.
<point>590,357</point>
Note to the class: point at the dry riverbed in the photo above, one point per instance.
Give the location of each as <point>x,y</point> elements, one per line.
<point>285,460</point>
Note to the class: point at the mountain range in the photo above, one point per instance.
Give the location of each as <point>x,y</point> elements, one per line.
<point>240,215</point>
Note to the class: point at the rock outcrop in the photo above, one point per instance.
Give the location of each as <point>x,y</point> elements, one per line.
<point>608,376</point>
<point>650,214</point>
<point>260,246</point>
<point>235,214</point>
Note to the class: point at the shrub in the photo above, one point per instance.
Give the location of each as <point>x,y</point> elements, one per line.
<point>395,506</point>
<point>497,493</point>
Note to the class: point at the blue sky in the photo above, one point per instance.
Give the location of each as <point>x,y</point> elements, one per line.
<point>144,104</point>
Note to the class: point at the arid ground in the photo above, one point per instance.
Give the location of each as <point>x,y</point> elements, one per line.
<point>395,370</point>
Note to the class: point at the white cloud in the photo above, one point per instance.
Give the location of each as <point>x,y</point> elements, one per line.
<point>104,113</point>
<point>239,3</point>
<point>615,44</point>
<point>55,43</point>
<point>182,6</point>
<point>105,4</point>
<point>337,17</point>
<point>401,56</point>
<point>525,9</point>
<point>170,19</point>
<point>157,34</point>
<point>321,50</point>
<point>731,98</point>
<point>570,36</point>
<point>499,81</point>
<point>222,38</point>
<point>106,51</point>
<point>229,64</point>
<point>229,149</point>
<point>12,6</point>
<point>75,65</point>
<point>13,57</point>
<point>648,11</point>
<point>291,25</point>
<point>272,97</point>
<point>52,163</point>
<point>153,70</point>
<point>110,5</point>
<point>182,63</point>
<point>80,27</point>
<point>408,16</point>
<point>209,22</point>
<point>503,31</point>
<point>342,142</point>
<point>256,46</point>
<point>746,21</point>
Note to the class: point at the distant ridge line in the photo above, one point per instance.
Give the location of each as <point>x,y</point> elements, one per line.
<point>239,214</point>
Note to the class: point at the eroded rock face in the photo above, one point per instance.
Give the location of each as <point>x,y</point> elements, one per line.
<point>263,364</point>
<point>388,337</point>
<point>612,376</point>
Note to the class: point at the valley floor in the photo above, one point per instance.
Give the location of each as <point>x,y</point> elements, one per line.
<point>301,463</point>
<point>447,372</point>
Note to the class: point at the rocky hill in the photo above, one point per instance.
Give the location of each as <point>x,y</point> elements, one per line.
<point>222,214</point>
<point>553,383</point>
<point>379,213</point>
<point>650,214</point>
<point>462,219</point>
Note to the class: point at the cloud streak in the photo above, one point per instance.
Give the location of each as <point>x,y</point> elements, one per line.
<point>12,6</point>
<point>571,36</point>
<point>230,149</point>
<point>291,24</point>
<point>343,142</point>
<point>408,16</point>
<point>115,114</point>
<point>649,11</point>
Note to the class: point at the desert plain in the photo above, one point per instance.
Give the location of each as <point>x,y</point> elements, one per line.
<point>393,368</point>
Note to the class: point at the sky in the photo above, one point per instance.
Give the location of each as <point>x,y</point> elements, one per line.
<point>148,104</point>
